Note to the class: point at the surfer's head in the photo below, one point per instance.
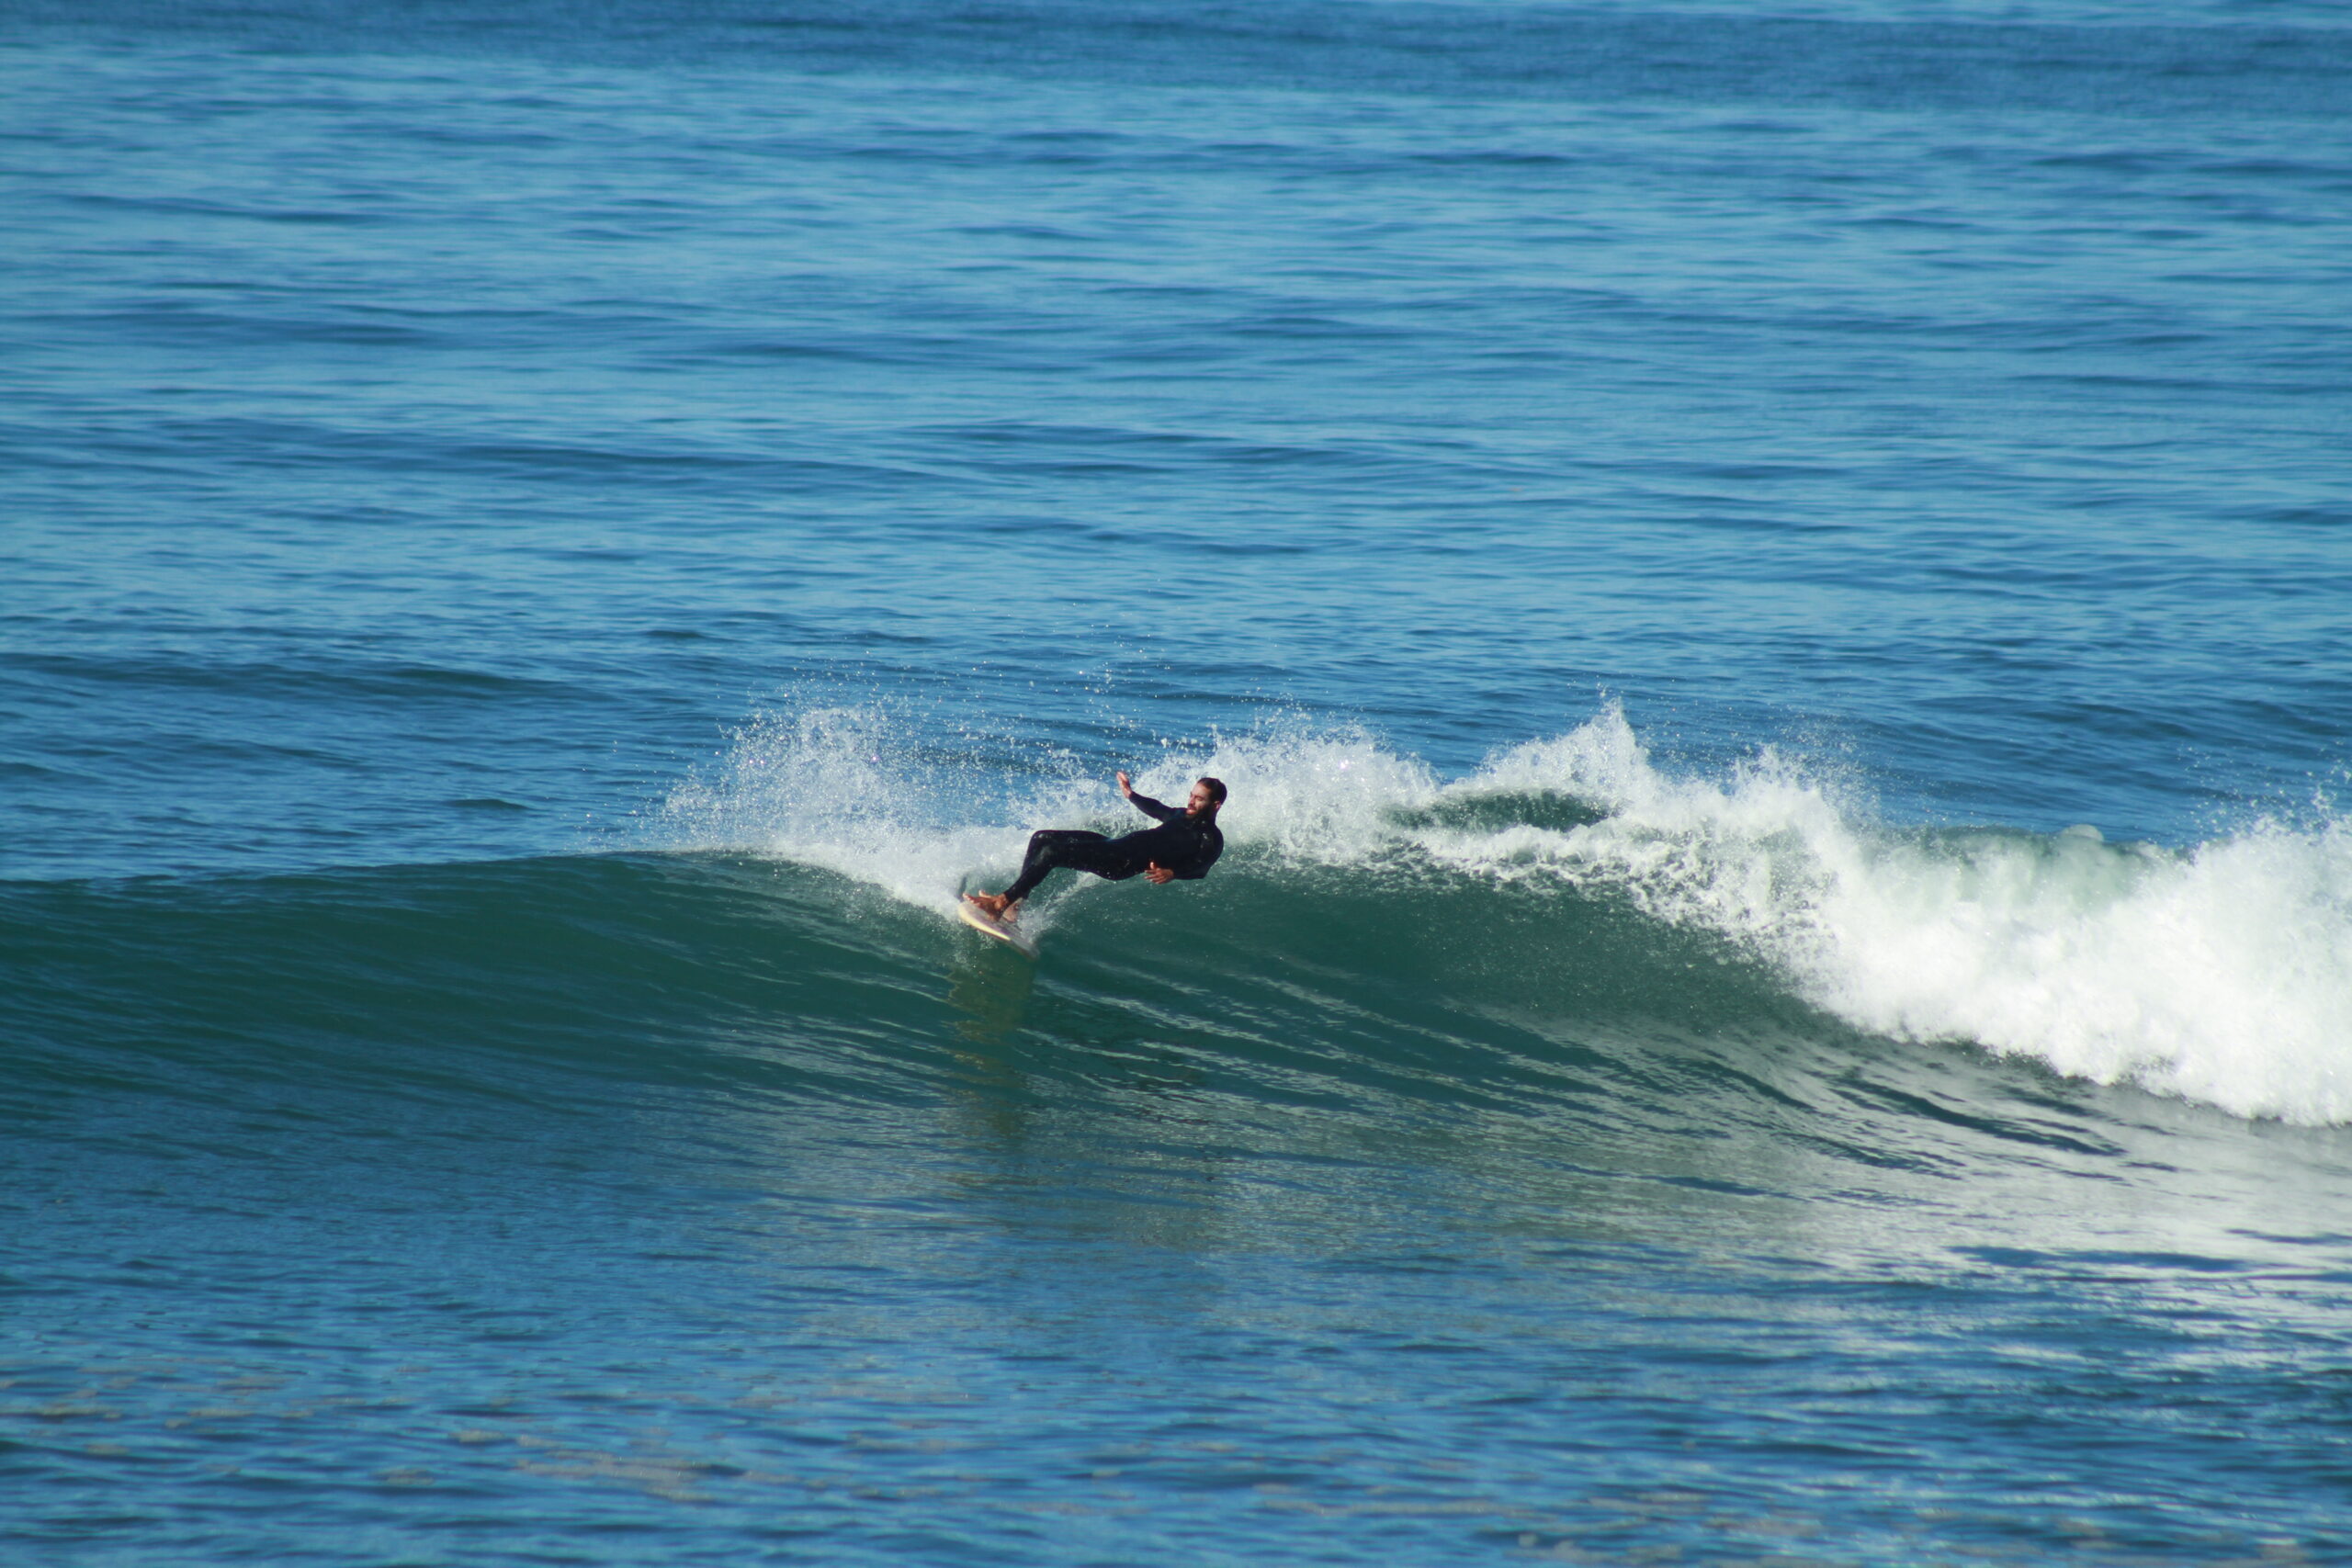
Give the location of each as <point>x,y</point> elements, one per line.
<point>1207,796</point>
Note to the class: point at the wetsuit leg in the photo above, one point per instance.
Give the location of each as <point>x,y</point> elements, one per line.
<point>1072,847</point>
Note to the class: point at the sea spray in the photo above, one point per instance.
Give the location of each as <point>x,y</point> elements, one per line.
<point>1304,795</point>
<point>841,788</point>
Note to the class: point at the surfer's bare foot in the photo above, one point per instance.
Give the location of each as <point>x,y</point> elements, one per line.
<point>992,905</point>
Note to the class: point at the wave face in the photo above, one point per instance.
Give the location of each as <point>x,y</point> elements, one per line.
<point>2220,973</point>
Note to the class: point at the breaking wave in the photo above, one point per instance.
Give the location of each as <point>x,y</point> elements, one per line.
<point>2220,973</point>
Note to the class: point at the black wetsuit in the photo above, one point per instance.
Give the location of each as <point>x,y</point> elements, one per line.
<point>1185,845</point>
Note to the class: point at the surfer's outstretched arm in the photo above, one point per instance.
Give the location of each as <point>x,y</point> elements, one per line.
<point>1147,806</point>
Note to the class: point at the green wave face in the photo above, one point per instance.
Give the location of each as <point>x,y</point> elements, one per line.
<point>1289,1005</point>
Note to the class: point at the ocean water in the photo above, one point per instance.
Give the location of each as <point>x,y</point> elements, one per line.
<point>1772,583</point>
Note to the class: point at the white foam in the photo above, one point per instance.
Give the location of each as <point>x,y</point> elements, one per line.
<point>839,788</point>
<point>2222,973</point>
<point>1321,797</point>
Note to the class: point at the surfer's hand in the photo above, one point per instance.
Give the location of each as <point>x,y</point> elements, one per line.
<point>1159,875</point>
<point>1123,788</point>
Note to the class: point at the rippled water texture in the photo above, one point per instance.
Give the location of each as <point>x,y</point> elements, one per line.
<point>1770,585</point>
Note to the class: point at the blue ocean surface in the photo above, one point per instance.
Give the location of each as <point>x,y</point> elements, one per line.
<point>1772,584</point>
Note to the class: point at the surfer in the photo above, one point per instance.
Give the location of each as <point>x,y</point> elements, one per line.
<point>1185,844</point>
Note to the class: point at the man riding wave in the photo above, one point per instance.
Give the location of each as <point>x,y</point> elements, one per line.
<point>1184,845</point>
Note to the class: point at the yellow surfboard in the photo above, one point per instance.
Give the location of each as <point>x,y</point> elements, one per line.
<point>1011,935</point>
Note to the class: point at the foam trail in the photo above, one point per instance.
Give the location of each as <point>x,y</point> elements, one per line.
<point>2221,973</point>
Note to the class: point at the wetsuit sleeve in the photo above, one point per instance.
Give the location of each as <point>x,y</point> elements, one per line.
<point>1153,809</point>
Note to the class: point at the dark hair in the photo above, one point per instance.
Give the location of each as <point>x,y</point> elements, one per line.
<point>1217,789</point>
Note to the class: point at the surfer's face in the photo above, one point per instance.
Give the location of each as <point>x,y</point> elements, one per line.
<point>1201,802</point>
